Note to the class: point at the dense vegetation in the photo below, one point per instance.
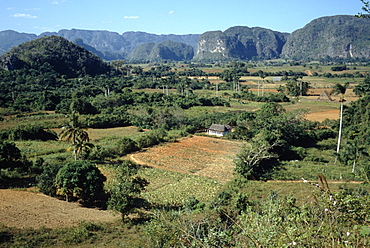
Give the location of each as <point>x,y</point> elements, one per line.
<point>166,102</point>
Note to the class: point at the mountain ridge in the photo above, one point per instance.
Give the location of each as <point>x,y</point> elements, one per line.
<point>312,41</point>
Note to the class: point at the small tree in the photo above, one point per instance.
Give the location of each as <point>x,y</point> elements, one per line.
<point>80,179</point>
<point>9,155</point>
<point>11,158</point>
<point>251,161</point>
<point>126,145</point>
<point>125,188</point>
<point>46,180</point>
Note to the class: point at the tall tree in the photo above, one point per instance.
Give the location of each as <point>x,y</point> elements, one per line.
<point>75,133</point>
<point>340,89</point>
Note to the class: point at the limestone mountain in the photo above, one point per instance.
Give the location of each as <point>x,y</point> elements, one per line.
<point>138,38</point>
<point>166,50</point>
<point>240,43</point>
<point>141,52</point>
<point>334,37</point>
<point>53,54</point>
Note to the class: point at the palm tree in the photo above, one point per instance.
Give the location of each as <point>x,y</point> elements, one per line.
<point>340,89</point>
<point>79,147</point>
<point>74,132</point>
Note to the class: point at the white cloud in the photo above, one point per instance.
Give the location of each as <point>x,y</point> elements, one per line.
<point>131,17</point>
<point>24,15</point>
<point>32,9</point>
<point>10,8</point>
<point>171,12</point>
<point>58,1</point>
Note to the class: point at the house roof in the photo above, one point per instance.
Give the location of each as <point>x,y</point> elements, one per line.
<point>219,128</point>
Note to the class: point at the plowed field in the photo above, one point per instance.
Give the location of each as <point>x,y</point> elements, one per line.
<point>198,155</point>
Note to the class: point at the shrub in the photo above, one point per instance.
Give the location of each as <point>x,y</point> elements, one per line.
<point>99,153</point>
<point>125,146</point>
<point>46,180</point>
<point>152,138</point>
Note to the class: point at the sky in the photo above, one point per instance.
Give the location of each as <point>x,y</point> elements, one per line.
<point>166,16</point>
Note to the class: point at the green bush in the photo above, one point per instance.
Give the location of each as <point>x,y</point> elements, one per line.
<point>81,180</point>
<point>46,180</point>
<point>152,138</point>
<point>99,153</point>
<point>125,146</point>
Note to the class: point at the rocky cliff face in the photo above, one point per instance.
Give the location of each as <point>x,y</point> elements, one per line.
<point>240,43</point>
<point>334,37</point>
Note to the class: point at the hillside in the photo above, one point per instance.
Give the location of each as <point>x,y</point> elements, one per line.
<point>53,54</point>
<point>334,37</point>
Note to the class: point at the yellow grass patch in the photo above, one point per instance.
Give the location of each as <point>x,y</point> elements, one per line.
<point>320,116</point>
<point>197,155</point>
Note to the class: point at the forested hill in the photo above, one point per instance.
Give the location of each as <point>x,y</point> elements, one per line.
<point>53,54</point>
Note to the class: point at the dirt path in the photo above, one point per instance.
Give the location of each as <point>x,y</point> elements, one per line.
<point>23,209</point>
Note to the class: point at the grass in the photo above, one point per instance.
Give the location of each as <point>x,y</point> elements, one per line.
<point>312,106</point>
<point>47,120</point>
<point>173,188</point>
<point>84,235</point>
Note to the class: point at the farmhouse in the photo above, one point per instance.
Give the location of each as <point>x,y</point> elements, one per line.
<point>219,130</point>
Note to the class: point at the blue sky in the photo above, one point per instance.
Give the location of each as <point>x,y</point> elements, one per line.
<point>166,16</point>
